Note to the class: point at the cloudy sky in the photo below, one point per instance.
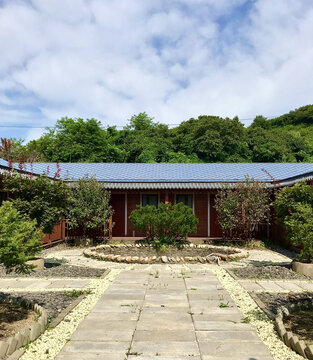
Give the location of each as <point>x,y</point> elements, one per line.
<point>174,59</point>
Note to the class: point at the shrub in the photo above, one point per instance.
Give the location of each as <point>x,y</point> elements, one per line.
<point>40,198</point>
<point>166,224</point>
<point>19,239</point>
<point>89,205</point>
<point>241,208</point>
<point>300,230</point>
<point>294,206</point>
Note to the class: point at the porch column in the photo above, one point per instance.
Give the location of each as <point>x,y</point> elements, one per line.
<point>209,214</point>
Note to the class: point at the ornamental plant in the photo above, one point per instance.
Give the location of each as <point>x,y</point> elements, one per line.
<point>294,206</point>
<point>89,205</point>
<point>39,197</point>
<point>242,207</point>
<point>166,224</point>
<point>19,239</point>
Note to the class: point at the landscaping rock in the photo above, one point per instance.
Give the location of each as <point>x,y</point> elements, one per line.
<point>164,259</point>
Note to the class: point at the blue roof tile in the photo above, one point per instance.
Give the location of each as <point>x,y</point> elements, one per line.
<point>168,172</point>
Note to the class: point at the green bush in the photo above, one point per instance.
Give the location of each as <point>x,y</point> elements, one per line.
<point>39,198</point>
<point>166,224</point>
<point>242,207</point>
<point>19,239</point>
<point>294,206</point>
<point>89,205</point>
<point>300,229</point>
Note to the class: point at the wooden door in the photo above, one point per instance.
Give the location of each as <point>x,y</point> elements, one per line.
<point>118,204</point>
<point>215,227</point>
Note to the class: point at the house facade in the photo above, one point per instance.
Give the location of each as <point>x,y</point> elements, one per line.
<point>196,185</point>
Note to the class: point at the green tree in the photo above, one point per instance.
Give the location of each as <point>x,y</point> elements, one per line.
<point>89,205</point>
<point>166,224</point>
<point>242,207</point>
<point>77,140</point>
<point>212,139</point>
<point>39,198</point>
<point>19,239</point>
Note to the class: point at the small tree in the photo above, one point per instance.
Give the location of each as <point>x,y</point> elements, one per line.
<point>89,205</point>
<point>19,239</point>
<point>241,208</point>
<point>294,206</point>
<point>165,224</point>
<point>38,197</point>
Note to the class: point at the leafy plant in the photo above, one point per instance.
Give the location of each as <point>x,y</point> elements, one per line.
<point>167,224</point>
<point>89,205</point>
<point>19,239</point>
<point>40,198</point>
<point>294,206</point>
<point>242,207</point>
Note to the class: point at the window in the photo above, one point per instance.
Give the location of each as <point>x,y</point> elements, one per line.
<point>186,199</point>
<point>150,199</point>
<point>3,197</point>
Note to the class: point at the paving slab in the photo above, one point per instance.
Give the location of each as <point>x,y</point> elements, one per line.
<point>164,318</point>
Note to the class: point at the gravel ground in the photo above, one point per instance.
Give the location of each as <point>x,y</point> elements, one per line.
<point>60,271</point>
<point>52,302</point>
<point>274,301</point>
<point>49,344</point>
<point>264,327</point>
<point>268,272</point>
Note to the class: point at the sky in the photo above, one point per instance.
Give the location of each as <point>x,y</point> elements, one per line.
<point>174,59</point>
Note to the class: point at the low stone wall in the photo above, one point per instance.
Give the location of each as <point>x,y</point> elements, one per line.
<point>217,253</point>
<point>288,337</point>
<point>13,343</point>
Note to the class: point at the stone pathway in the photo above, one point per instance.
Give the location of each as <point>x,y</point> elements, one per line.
<point>277,286</point>
<point>165,312</point>
<point>41,284</point>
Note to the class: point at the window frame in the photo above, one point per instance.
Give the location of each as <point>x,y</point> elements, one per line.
<point>192,196</point>
<point>147,194</point>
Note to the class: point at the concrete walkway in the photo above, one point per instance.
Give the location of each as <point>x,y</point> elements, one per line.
<point>165,312</point>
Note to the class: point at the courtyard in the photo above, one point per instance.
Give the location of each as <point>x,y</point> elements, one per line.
<point>158,311</point>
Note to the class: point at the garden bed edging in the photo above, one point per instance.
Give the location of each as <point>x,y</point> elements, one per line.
<point>289,338</point>
<point>303,268</point>
<point>13,343</point>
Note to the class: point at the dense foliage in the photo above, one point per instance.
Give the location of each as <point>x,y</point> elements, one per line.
<point>19,239</point>
<point>241,208</point>
<point>287,138</point>
<point>294,206</point>
<point>166,224</point>
<point>40,198</point>
<point>89,205</point>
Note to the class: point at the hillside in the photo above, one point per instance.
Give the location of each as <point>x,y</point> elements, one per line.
<point>287,138</point>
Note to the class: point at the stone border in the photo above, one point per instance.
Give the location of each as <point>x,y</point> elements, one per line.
<point>13,343</point>
<point>214,258</point>
<point>288,337</point>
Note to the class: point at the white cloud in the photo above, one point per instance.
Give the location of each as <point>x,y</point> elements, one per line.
<point>175,60</point>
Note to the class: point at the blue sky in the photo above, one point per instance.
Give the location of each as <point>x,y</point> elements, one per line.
<point>110,59</point>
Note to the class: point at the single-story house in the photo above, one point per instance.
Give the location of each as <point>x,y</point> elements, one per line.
<point>195,185</point>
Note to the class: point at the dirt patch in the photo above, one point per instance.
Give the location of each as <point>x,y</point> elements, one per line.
<point>300,323</point>
<point>268,272</point>
<point>14,318</point>
<point>52,302</point>
<point>275,301</point>
<point>55,270</point>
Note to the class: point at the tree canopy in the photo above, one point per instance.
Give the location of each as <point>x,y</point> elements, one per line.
<point>287,138</point>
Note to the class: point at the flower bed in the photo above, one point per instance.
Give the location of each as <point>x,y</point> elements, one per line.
<point>147,254</point>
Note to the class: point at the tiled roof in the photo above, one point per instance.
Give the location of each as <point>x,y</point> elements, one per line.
<point>174,173</point>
